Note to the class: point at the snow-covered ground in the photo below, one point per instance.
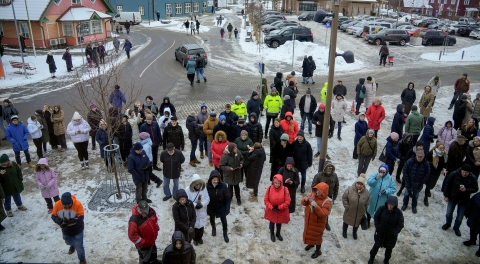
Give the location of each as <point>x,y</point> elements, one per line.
<point>31,236</point>
<point>469,54</point>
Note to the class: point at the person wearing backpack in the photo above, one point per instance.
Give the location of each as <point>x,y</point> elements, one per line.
<point>360,94</point>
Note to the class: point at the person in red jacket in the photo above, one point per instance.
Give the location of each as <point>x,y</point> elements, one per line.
<point>375,115</point>
<point>217,148</point>
<point>461,86</point>
<point>277,199</point>
<point>290,127</point>
<point>143,231</point>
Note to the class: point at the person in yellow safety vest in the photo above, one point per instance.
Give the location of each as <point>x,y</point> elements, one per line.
<point>239,107</point>
<point>323,93</point>
<point>273,105</point>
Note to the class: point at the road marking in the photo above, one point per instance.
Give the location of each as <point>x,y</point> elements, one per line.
<point>156,59</point>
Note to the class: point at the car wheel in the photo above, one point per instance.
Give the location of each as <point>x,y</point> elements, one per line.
<point>429,42</point>
<point>450,42</point>
<point>378,41</point>
<point>183,63</point>
<point>402,42</point>
<point>274,44</point>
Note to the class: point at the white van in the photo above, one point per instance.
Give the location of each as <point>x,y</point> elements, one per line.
<point>122,17</point>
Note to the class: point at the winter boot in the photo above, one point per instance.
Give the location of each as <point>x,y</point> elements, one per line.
<point>239,201</point>
<point>9,213</point>
<point>272,236</point>
<point>2,227</point>
<point>86,164</point>
<point>318,252</point>
<point>201,155</point>
<point>328,227</point>
<point>317,155</point>
<point>425,201</point>
<point>83,261</point>
<point>255,192</point>
<point>31,165</point>
<point>355,232</point>
<point>371,259</point>
<point>159,182</point>
<point>214,230</point>
<point>192,163</point>
<point>210,163</point>
<point>196,161</point>
<point>204,79</point>
<point>22,208</point>
<point>225,236</point>
<point>71,250</point>
<point>83,165</point>
<point>344,230</point>
<point>278,233</point>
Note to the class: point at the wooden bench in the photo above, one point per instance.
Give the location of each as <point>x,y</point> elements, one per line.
<point>19,65</point>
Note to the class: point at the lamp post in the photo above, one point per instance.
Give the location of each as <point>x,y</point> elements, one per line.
<point>349,58</point>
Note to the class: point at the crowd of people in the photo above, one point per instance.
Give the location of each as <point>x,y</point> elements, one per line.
<point>233,143</point>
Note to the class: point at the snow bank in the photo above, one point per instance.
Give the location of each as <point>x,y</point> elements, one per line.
<point>471,54</point>
<point>224,11</point>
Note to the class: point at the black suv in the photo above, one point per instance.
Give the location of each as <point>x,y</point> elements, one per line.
<point>399,36</point>
<point>433,37</point>
<point>184,52</point>
<point>301,34</point>
<point>306,16</point>
<point>268,28</point>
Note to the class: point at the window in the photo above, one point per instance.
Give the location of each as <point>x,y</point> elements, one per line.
<point>453,2</point>
<point>168,8</point>
<point>196,7</point>
<point>85,28</point>
<point>141,9</point>
<point>93,1</point>
<point>119,8</point>
<point>188,8</point>
<point>178,8</point>
<point>445,1</point>
<point>204,7</point>
<point>57,2</point>
<point>67,29</point>
<point>5,2</point>
<point>96,26</point>
<point>307,7</point>
<point>24,29</point>
<point>466,2</point>
<point>76,2</point>
<point>1,29</point>
<point>432,1</point>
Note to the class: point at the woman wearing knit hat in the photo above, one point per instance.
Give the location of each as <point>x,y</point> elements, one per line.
<point>291,91</point>
<point>361,128</point>
<point>78,129</point>
<point>366,151</point>
<point>286,107</point>
<point>355,201</point>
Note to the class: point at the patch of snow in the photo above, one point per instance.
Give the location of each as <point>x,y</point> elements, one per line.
<point>224,11</point>
<point>471,54</point>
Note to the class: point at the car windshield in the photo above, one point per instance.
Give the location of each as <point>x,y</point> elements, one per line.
<point>195,51</point>
<point>305,14</point>
<point>276,23</point>
<point>383,31</point>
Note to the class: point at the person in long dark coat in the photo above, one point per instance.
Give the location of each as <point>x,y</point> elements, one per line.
<point>93,118</point>
<point>47,113</point>
<point>124,134</point>
<point>219,206</point>
<point>307,69</point>
<point>388,224</point>
<point>359,88</point>
<point>67,57</point>
<point>51,64</point>
<point>437,159</point>
<point>472,213</point>
<point>291,180</point>
<point>278,156</point>
<point>101,52</point>
<point>184,215</point>
<point>257,158</point>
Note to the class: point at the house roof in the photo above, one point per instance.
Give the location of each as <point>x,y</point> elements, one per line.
<point>417,3</point>
<point>81,14</point>
<point>36,8</point>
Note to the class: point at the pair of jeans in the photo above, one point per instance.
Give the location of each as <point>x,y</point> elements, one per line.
<point>49,201</point>
<point>82,150</point>
<point>303,172</point>
<point>200,71</point>
<point>38,144</point>
<point>308,117</point>
<point>313,80</point>
<point>319,144</point>
<point>19,160</point>
<point>270,117</point>
<point>339,130</point>
<point>223,218</point>
<point>166,186</point>
<point>141,191</point>
<point>209,143</point>
<point>374,251</point>
<point>194,148</point>
<point>76,242</point>
<point>8,201</point>
<point>363,162</point>
<point>203,144</point>
<point>406,197</point>
<point>450,208</point>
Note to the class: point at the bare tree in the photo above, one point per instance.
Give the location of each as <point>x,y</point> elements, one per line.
<point>95,86</point>
<point>255,12</point>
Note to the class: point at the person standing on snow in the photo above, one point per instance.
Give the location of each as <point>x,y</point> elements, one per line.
<point>127,26</point>
<point>366,151</point>
<point>229,29</point>
<point>383,53</point>
<point>127,46</point>
<point>277,200</point>
<point>235,32</point>
<point>184,215</point>
<point>381,187</point>
<point>313,67</point>
<point>415,174</point>
<point>198,195</point>
<point>67,57</point>
<point>190,67</point>
<point>11,184</point>
<point>143,231</point>
<point>307,106</point>
<point>46,179</point>
<point>339,108</point>
<point>328,176</point>
<point>68,213</point>
<point>153,129</point>
<point>360,94</point>
<point>355,201</point>
<point>200,67</point>
<point>172,160</point>
<point>307,69</point>
<point>116,44</point>
<point>461,86</point>
<point>222,32</point>
<point>435,83</point>
<point>138,163</point>
<point>78,130</point>
<point>408,97</point>
<point>303,156</point>
<point>415,123</point>
<point>375,115</point>
<point>35,130</point>
<point>93,118</point>
<point>219,206</point>
<point>370,92</point>
<point>17,134</point>
<point>51,64</point>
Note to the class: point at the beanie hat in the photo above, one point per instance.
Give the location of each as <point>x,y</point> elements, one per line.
<point>394,136</point>
<point>39,111</point>
<point>6,101</point>
<point>4,158</point>
<point>13,117</point>
<point>361,178</point>
<point>254,93</point>
<point>117,86</point>
<point>301,133</point>
<point>286,97</point>
<point>238,97</point>
<point>173,118</point>
<point>93,106</point>
<point>284,136</point>
<point>291,83</point>
<point>466,167</point>
<point>67,198</point>
<point>369,78</point>
<point>149,117</point>
<point>203,106</point>
<point>436,78</point>
<point>321,106</point>
<point>222,117</point>
<point>461,137</point>
<point>308,91</point>
<point>466,75</point>
<point>235,118</point>
<point>170,146</point>
<point>414,108</point>
<point>274,89</point>
<point>292,73</point>
<point>339,94</point>
<point>419,143</point>
<point>241,120</point>
<point>464,97</point>
<point>144,135</point>
<point>213,114</point>
<point>138,146</point>
<point>76,116</point>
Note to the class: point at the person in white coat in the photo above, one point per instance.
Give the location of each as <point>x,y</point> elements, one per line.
<point>78,130</point>
<point>198,194</point>
<point>370,91</point>
<point>165,119</point>
<point>35,129</point>
<point>134,120</point>
<point>435,83</point>
<point>339,108</point>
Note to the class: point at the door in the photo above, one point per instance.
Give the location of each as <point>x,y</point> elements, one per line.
<point>440,37</point>
<point>287,35</point>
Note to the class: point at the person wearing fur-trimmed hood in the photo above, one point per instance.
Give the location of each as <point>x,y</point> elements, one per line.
<point>198,194</point>
<point>79,129</point>
<point>355,201</point>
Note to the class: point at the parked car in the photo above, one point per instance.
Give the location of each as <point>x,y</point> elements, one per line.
<point>306,16</point>
<point>433,37</point>
<point>428,22</point>
<point>301,33</point>
<point>465,31</point>
<point>415,11</point>
<point>277,16</point>
<point>340,19</point>
<point>346,24</point>
<point>184,52</point>
<point>389,35</point>
<point>393,14</point>
<point>360,32</point>
<point>438,25</point>
<point>268,28</point>
<point>402,14</point>
<point>408,27</point>
<point>467,20</point>
<point>270,20</point>
<point>475,33</point>
<point>271,12</point>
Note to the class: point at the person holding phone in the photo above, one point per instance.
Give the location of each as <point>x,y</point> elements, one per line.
<point>381,186</point>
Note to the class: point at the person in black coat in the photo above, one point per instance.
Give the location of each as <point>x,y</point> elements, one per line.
<point>138,161</point>
<point>459,111</point>
<point>318,122</point>
<point>314,67</point>
<point>173,133</point>
<point>307,69</point>
<point>172,160</point>
<point>391,151</point>
<point>194,133</point>
<point>93,118</point>
<point>286,106</point>
<point>229,115</point>
<point>456,153</point>
<point>436,158</point>
<point>408,97</point>
<point>457,188</point>
<point>388,224</point>
<point>360,87</point>
<point>224,126</point>
<point>256,129</point>
<point>153,129</point>
<point>179,251</point>
<point>309,113</point>
<point>51,64</point>
<point>124,135</point>
<point>303,156</point>
<point>219,206</point>
<point>404,146</point>
<point>254,104</point>
<point>166,103</point>
<point>410,154</point>
<point>415,174</point>
<point>278,156</point>
<point>184,215</point>
<point>291,180</point>
<point>275,133</point>
<point>277,81</point>
<point>398,121</point>
<point>257,158</point>
<point>472,213</point>
<point>238,129</point>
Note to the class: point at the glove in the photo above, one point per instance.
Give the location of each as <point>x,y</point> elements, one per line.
<point>59,221</point>
<point>64,223</point>
<point>198,206</point>
<point>275,209</point>
<point>165,120</point>
<point>72,220</point>
<point>313,203</point>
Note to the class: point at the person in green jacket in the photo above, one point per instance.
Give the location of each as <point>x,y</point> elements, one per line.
<point>414,124</point>
<point>191,65</point>
<point>272,105</point>
<point>230,29</point>
<point>11,181</point>
<point>323,93</point>
<point>239,107</point>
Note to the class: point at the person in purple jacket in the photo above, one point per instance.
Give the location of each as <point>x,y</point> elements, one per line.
<point>47,182</point>
<point>117,98</point>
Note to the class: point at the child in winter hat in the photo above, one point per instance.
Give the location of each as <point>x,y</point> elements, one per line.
<point>47,182</point>
<point>203,106</point>
<point>144,135</point>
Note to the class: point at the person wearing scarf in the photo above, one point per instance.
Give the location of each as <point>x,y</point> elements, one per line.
<point>437,158</point>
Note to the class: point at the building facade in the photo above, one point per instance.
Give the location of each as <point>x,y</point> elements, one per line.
<point>347,7</point>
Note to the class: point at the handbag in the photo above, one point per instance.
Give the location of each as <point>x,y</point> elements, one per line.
<point>363,222</point>
<point>383,157</point>
<point>425,104</point>
<point>362,94</point>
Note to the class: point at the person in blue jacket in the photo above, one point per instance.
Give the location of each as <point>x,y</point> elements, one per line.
<point>101,137</point>
<point>381,186</point>
<point>428,134</point>
<point>127,46</point>
<point>361,128</point>
<point>191,65</point>
<point>415,174</point>
<point>138,163</point>
<point>117,99</point>
<point>17,133</point>
<point>153,129</point>
<point>398,121</point>
<point>391,150</point>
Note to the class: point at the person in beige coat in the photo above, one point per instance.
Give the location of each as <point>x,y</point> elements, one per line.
<point>370,91</point>
<point>426,102</point>
<point>291,77</point>
<point>339,108</point>
<point>355,201</point>
<point>468,109</point>
<point>59,128</point>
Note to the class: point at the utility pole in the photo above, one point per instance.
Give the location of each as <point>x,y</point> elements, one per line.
<point>18,38</point>
<point>31,31</point>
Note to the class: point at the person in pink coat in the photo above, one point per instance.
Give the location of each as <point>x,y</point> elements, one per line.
<point>277,199</point>
<point>375,115</point>
<point>47,182</point>
<point>447,134</point>
<point>217,148</point>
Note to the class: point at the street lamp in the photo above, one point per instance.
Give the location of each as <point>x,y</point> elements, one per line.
<point>348,56</point>
<point>148,12</point>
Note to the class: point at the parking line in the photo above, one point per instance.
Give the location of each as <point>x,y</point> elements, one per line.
<point>156,59</point>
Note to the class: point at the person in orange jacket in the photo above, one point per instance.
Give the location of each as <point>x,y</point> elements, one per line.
<point>290,127</point>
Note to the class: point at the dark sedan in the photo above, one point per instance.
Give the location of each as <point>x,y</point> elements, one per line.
<point>306,16</point>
